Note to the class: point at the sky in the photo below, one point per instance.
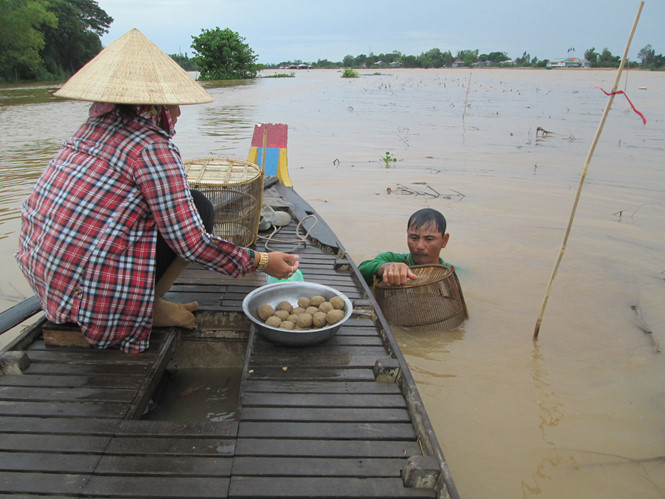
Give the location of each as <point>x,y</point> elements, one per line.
<point>310,30</point>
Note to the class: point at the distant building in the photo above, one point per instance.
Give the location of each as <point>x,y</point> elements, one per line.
<point>571,62</point>
<point>458,63</point>
<point>482,64</point>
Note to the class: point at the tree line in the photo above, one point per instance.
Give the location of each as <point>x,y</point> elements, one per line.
<point>435,58</point>
<point>43,40</point>
<point>49,39</point>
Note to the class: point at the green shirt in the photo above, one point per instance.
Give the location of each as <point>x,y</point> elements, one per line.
<point>370,268</point>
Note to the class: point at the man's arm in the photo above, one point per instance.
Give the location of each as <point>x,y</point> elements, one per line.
<point>393,268</point>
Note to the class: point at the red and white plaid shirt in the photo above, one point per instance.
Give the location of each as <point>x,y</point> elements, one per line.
<point>89,229</point>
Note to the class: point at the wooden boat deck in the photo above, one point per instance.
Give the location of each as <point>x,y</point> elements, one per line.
<point>339,419</point>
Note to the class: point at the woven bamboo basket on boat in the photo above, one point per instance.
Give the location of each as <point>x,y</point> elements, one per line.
<point>432,302</point>
<point>235,188</point>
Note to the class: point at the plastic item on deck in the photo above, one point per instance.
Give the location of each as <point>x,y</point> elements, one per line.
<point>296,277</point>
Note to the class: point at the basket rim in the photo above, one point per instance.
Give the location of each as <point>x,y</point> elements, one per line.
<point>203,163</point>
<point>447,270</point>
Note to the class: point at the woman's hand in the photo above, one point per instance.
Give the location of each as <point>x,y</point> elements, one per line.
<point>281,265</point>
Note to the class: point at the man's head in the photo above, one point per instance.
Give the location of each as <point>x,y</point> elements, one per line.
<point>426,236</point>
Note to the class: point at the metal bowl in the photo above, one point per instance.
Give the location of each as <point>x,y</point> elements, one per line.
<point>272,294</point>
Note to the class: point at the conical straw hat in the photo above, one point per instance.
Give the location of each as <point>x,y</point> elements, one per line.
<point>133,70</point>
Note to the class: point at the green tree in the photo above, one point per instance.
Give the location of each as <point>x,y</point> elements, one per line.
<point>184,61</point>
<point>21,37</point>
<point>434,58</point>
<point>591,57</point>
<point>411,61</point>
<point>607,60</point>
<point>349,61</point>
<point>221,54</point>
<point>76,37</point>
<point>525,60</point>
<point>495,58</point>
<point>647,55</point>
<point>469,57</point>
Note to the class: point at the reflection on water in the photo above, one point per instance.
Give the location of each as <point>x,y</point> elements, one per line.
<point>579,415</point>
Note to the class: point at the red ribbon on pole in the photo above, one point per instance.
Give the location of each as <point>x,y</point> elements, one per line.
<point>618,92</point>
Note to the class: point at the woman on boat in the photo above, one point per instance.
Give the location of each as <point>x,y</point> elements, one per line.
<point>111,222</point>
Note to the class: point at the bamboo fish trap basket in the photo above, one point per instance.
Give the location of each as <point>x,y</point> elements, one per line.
<point>235,188</point>
<point>432,302</point>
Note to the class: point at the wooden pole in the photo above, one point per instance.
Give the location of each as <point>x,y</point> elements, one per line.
<point>584,172</point>
<point>265,148</point>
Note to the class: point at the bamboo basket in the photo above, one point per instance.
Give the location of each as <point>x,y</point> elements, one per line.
<point>432,302</point>
<point>235,188</point>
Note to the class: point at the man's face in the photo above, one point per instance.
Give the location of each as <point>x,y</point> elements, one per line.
<point>425,244</point>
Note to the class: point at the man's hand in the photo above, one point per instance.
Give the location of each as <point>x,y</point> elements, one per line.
<point>394,273</point>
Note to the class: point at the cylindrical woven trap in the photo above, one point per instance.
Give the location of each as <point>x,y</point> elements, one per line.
<point>235,188</point>
<point>432,302</point>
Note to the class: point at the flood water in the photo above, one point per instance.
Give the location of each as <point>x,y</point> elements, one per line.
<point>581,412</point>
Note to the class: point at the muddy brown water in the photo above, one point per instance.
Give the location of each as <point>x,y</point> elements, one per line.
<point>581,412</point>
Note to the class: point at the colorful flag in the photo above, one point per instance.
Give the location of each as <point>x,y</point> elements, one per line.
<point>272,138</point>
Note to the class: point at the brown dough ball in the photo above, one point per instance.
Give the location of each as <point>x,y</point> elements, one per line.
<point>316,301</point>
<point>311,310</point>
<point>287,325</point>
<point>273,321</point>
<point>265,311</point>
<point>298,310</point>
<point>304,320</point>
<point>334,316</point>
<point>326,307</point>
<point>319,320</point>
<point>293,318</point>
<point>337,302</point>
<point>282,314</point>
<point>303,302</point>
<point>285,305</point>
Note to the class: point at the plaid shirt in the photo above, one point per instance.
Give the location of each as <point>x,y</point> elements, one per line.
<point>89,229</point>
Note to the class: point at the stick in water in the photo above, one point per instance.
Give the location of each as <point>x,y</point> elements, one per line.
<point>584,172</point>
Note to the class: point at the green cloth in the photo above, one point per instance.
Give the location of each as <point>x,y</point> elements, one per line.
<point>370,268</point>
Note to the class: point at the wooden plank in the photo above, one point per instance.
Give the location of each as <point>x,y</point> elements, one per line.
<point>65,394</point>
<point>319,362</point>
<point>59,425</point>
<point>167,429</point>
<point>340,431</point>
<point>63,409</point>
<point>92,356</point>
<point>48,462</point>
<point>311,374</point>
<point>119,371</point>
<point>164,466</point>
<point>162,487</point>
<point>53,443</point>
<point>336,400</point>
<point>46,381</point>
<point>159,445</point>
<point>64,337</point>
<point>326,448</point>
<point>323,415</point>
<point>111,486</point>
<point>338,344</point>
<point>319,387</point>
<point>347,487</point>
<point>314,466</point>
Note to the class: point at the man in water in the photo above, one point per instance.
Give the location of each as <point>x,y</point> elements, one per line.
<point>426,237</point>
